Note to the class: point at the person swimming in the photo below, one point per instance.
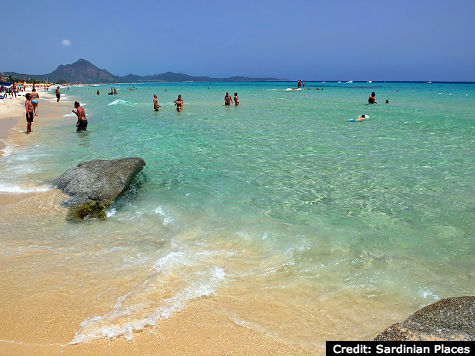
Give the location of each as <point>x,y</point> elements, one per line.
<point>227,99</point>
<point>179,103</point>
<point>372,98</point>
<point>236,99</point>
<point>361,118</point>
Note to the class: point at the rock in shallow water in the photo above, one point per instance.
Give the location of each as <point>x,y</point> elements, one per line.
<point>447,319</point>
<point>93,185</point>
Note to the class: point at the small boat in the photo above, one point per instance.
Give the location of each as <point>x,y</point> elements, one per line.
<point>429,82</point>
<point>370,81</point>
<point>350,81</point>
<point>339,82</point>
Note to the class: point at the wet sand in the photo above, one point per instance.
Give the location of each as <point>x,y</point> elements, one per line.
<point>44,323</point>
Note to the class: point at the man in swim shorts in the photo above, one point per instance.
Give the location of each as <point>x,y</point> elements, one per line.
<point>81,114</point>
<point>155,103</point>
<point>179,103</point>
<point>227,99</point>
<point>34,100</point>
<point>236,99</point>
<point>372,98</point>
<point>58,95</point>
<point>29,113</point>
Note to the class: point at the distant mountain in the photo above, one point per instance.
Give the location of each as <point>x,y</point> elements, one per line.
<point>83,71</point>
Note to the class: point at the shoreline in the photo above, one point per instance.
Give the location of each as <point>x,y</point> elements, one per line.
<point>197,329</point>
<point>12,134</point>
<point>44,307</point>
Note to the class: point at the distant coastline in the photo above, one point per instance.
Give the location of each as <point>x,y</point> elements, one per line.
<point>84,72</point>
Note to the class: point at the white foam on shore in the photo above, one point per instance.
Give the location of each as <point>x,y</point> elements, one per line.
<point>125,320</point>
<point>166,218</point>
<point>9,148</point>
<point>10,188</point>
<point>426,293</point>
<point>111,212</point>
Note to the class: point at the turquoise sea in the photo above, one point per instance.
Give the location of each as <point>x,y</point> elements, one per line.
<point>296,222</point>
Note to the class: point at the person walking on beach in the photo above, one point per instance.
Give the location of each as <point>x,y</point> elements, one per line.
<point>236,99</point>
<point>58,95</point>
<point>227,99</point>
<point>155,103</point>
<point>179,103</point>
<point>372,98</point>
<point>34,100</point>
<point>81,114</point>
<point>29,113</point>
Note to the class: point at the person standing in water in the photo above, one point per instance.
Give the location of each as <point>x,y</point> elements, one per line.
<point>29,113</point>
<point>155,103</point>
<point>179,103</point>
<point>236,99</point>
<point>81,114</point>
<point>227,99</point>
<point>34,100</point>
<point>299,83</point>
<point>58,95</point>
<point>98,92</point>
<point>303,85</point>
<point>372,98</point>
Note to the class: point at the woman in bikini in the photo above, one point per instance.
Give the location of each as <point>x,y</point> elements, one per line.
<point>236,99</point>
<point>179,103</point>
<point>227,99</point>
<point>34,100</point>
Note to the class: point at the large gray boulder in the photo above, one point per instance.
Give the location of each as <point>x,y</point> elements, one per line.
<point>93,185</point>
<point>447,319</point>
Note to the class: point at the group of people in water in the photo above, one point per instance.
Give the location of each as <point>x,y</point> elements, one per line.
<point>31,106</point>
<point>372,99</point>
<point>228,100</point>
<point>31,110</point>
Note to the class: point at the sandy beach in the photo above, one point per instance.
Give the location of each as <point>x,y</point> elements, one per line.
<point>45,324</point>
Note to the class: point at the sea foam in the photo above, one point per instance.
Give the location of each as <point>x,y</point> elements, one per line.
<point>11,188</point>
<point>119,101</point>
<point>125,320</point>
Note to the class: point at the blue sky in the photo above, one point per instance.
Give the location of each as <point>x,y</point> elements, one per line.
<point>308,40</point>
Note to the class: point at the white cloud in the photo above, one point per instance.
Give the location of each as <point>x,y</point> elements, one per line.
<point>66,43</point>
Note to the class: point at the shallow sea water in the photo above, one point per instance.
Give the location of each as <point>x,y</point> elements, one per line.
<point>293,221</point>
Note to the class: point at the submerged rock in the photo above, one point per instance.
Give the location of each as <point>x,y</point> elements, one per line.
<point>93,185</point>
<point>447,319</point>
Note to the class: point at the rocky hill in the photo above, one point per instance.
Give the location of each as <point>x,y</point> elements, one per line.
<point>83,71</point>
